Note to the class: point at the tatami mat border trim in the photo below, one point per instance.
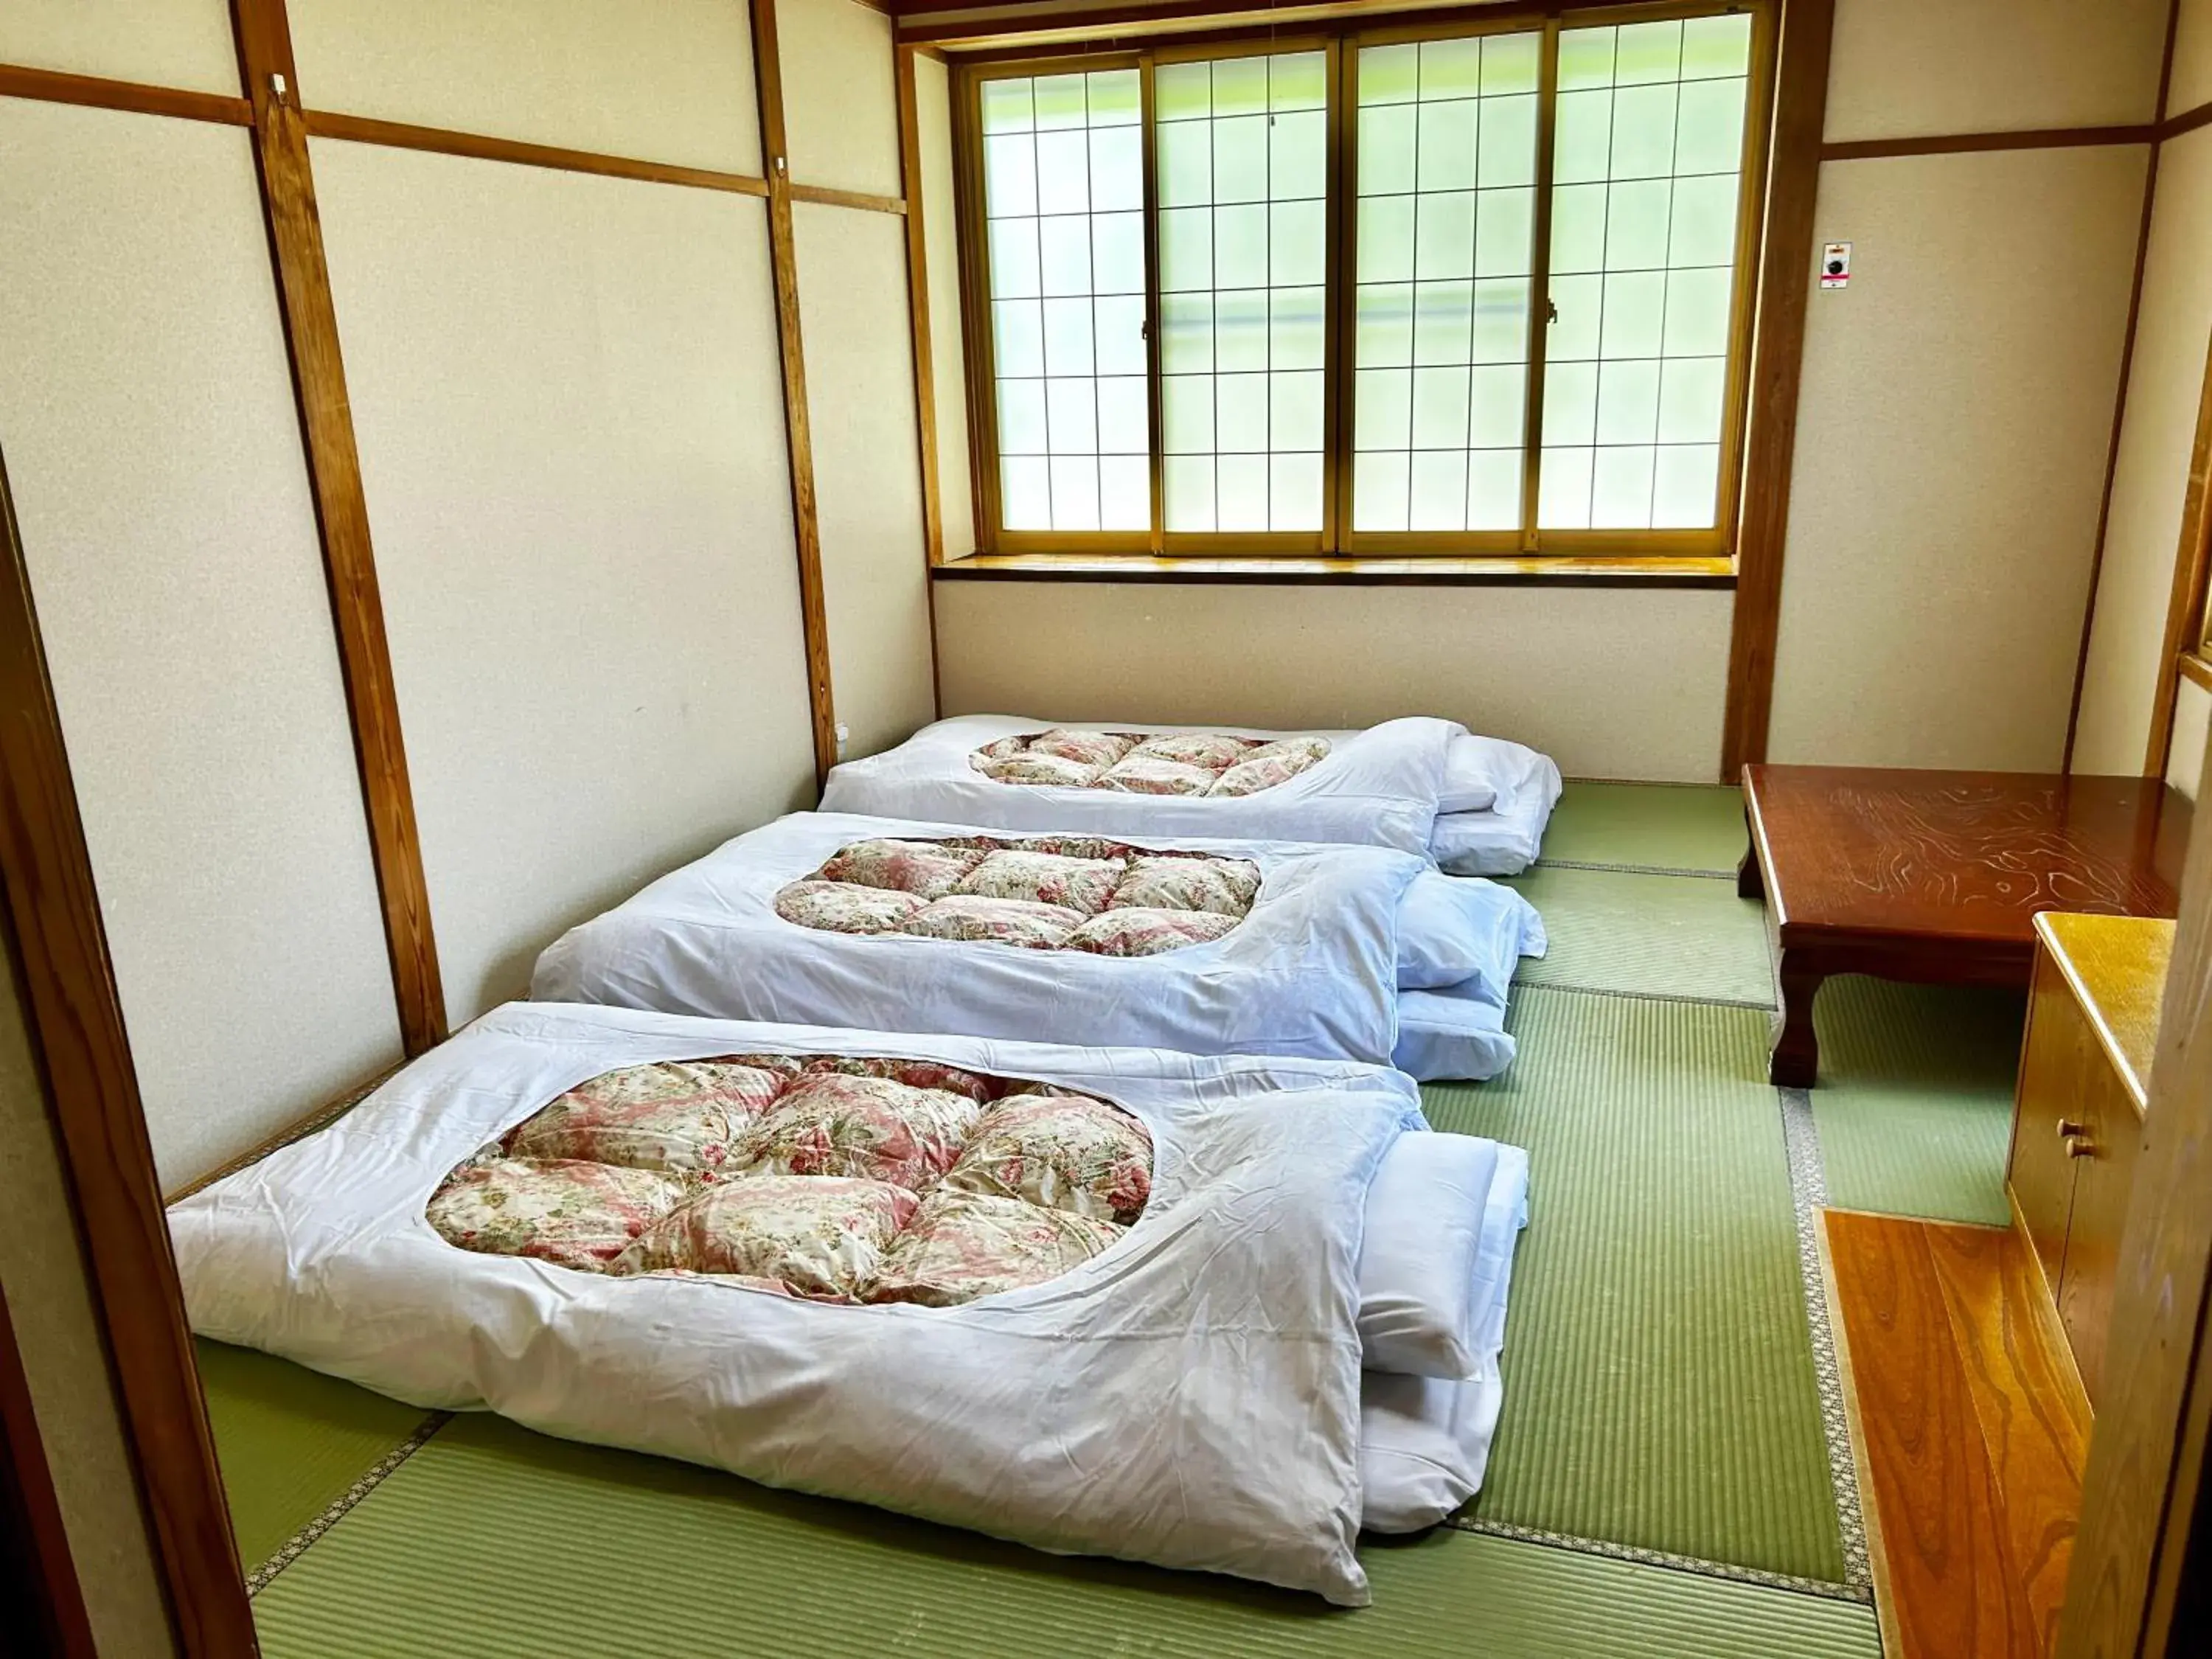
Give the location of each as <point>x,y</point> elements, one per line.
<point>1520,985</point>
<point>297,1545</point>
<point>1808,1196</point>
<point>1860,1594</point>
<point>1631,869</point>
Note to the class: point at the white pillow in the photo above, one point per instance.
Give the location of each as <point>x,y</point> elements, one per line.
<point>1420,1257</point>
<point>1480,774</point>
<point>1425,1441</point>
<point>1452,931</point>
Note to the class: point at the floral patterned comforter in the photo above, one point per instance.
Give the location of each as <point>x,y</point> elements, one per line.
<point>833,1177</point>
<point>1044,893</point>
<point>1213,763</point>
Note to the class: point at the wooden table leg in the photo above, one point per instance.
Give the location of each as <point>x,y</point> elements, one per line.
<point>1795,1061</point>
<point>1750,880</point>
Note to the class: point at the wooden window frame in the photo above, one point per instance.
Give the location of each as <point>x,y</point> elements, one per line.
<point>1336,541</point>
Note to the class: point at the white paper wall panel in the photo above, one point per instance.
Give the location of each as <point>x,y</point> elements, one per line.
<point>1612,683</point>
<point>2156,435</point>
<point>2193,723</point>
<point>659,80</point>
<point>956,500</point>
<point>867,469</point>
<point>163,43</point>
<point>49,1305</point>
<point>151,435</point>
<point>1952,432</point>
<point>2192,85</point>
<point>567,399</point>
<point>840,104</point>
<point>1911,69</point>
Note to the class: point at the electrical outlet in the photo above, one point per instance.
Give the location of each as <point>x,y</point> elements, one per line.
<point>1835,264</point>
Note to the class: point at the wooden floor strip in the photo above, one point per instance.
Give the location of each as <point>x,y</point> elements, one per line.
<point>1972,1434</point>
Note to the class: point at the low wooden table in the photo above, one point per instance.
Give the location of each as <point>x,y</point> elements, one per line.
<point>1935,876</point>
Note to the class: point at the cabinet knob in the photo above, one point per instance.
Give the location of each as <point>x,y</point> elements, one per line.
<point>2080,1145</point>
<point>2068,1129</point>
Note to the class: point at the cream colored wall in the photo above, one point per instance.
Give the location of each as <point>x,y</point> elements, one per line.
<point>1519,662</point>
<point>2192,85</point>
<point>566,393</point>
<point>2192,725</point>
<point>956,509</point>
<point>867,471</point>
<point>169,43</point>
<point>148,420</point>
<point>660,80</point>
<point>50,1304</point>
<point>840,112</point>
<point>1911,68</point>
<point>2157,433</point>
<point>1953,428</point>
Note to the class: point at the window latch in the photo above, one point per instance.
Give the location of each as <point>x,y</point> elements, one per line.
<point>1551,310</point>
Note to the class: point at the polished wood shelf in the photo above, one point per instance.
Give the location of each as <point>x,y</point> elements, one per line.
<point>1969,1428</point>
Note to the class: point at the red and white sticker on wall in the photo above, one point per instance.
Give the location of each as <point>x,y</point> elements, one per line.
<point>1835,264</point>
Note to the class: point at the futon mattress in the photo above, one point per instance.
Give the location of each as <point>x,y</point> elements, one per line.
<point>1187,1393</point>
<point>1206,947</point>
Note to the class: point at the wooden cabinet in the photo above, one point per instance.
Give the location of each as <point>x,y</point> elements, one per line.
<point>2077,1122</point>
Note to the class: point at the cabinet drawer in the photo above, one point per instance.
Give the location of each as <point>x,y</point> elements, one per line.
<point>2104,1175</point>
<point>2060,1065</point>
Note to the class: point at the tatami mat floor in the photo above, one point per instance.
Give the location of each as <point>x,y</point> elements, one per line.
<point>1665,1480</point>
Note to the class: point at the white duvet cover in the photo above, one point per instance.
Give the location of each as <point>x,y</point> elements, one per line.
<point>1379,787</point>
<point>1311,971</point>
<point>1191,1396</point>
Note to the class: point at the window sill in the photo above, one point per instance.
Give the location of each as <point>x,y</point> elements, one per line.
<point>1556,571</point>
<point>2194,666</point>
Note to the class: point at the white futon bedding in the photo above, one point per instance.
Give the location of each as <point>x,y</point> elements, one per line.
<point>1310,968</point>
<point>1403,784</point>
<point>1189,1395</point>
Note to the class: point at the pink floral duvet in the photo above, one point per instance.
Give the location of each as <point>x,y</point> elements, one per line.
<point>1214,763</point>
<point>835,1178</point>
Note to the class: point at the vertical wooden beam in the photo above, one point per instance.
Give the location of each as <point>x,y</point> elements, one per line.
<point>311,335</point>
<point>75,1019</point>
<point>2143,1493</point>
<point>1785,280</point>
<point>925,372</point>
<point>2185,603</point>
<point>783,257</point>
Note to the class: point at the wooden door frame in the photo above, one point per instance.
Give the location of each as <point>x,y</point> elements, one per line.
<point>2144,1494</point>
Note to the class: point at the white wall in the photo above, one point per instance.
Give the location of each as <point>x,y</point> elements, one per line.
<point>658,80</point>
<point>567,396</point>
<point>956,509</point>
<point>2192,85</point>
<point>2192,725</point>
<point>1615,683</point>
<point>854,318</point>
<point>148,419</point>
<point>168,42</point>
<point>1952,428</point>
<point>840,111</point>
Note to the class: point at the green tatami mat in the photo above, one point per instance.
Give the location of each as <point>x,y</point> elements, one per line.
<point>1659,1381</point>
<point>290,1441</point>
<point>1678,936</point>
<point>1650,826</point>
<point>1914,1104</point>
<point>494,1540</point>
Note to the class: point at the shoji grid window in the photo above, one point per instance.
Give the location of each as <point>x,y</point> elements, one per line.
<point>1646,194</point>
<point>1064,201</point>
<point>1243,146</point>
<point>1444,270</point>
<point>1463,287</point>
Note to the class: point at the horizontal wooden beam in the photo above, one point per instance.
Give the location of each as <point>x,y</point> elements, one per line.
<point>443,140</point>
<point>1542,572</point>
<point>54,87</point>
<point>825,196</point>
<point>2188,121</point>
<point>979,27</point>
<point>1956,143</point>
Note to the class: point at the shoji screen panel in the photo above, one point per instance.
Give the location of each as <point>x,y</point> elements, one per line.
<point>154,446</point>
<point>656,80</point>
<point>956,502</point>
<point>566,392</point>
<point>867,469</point>
<point>840,113</point>
<point>166,43</point>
